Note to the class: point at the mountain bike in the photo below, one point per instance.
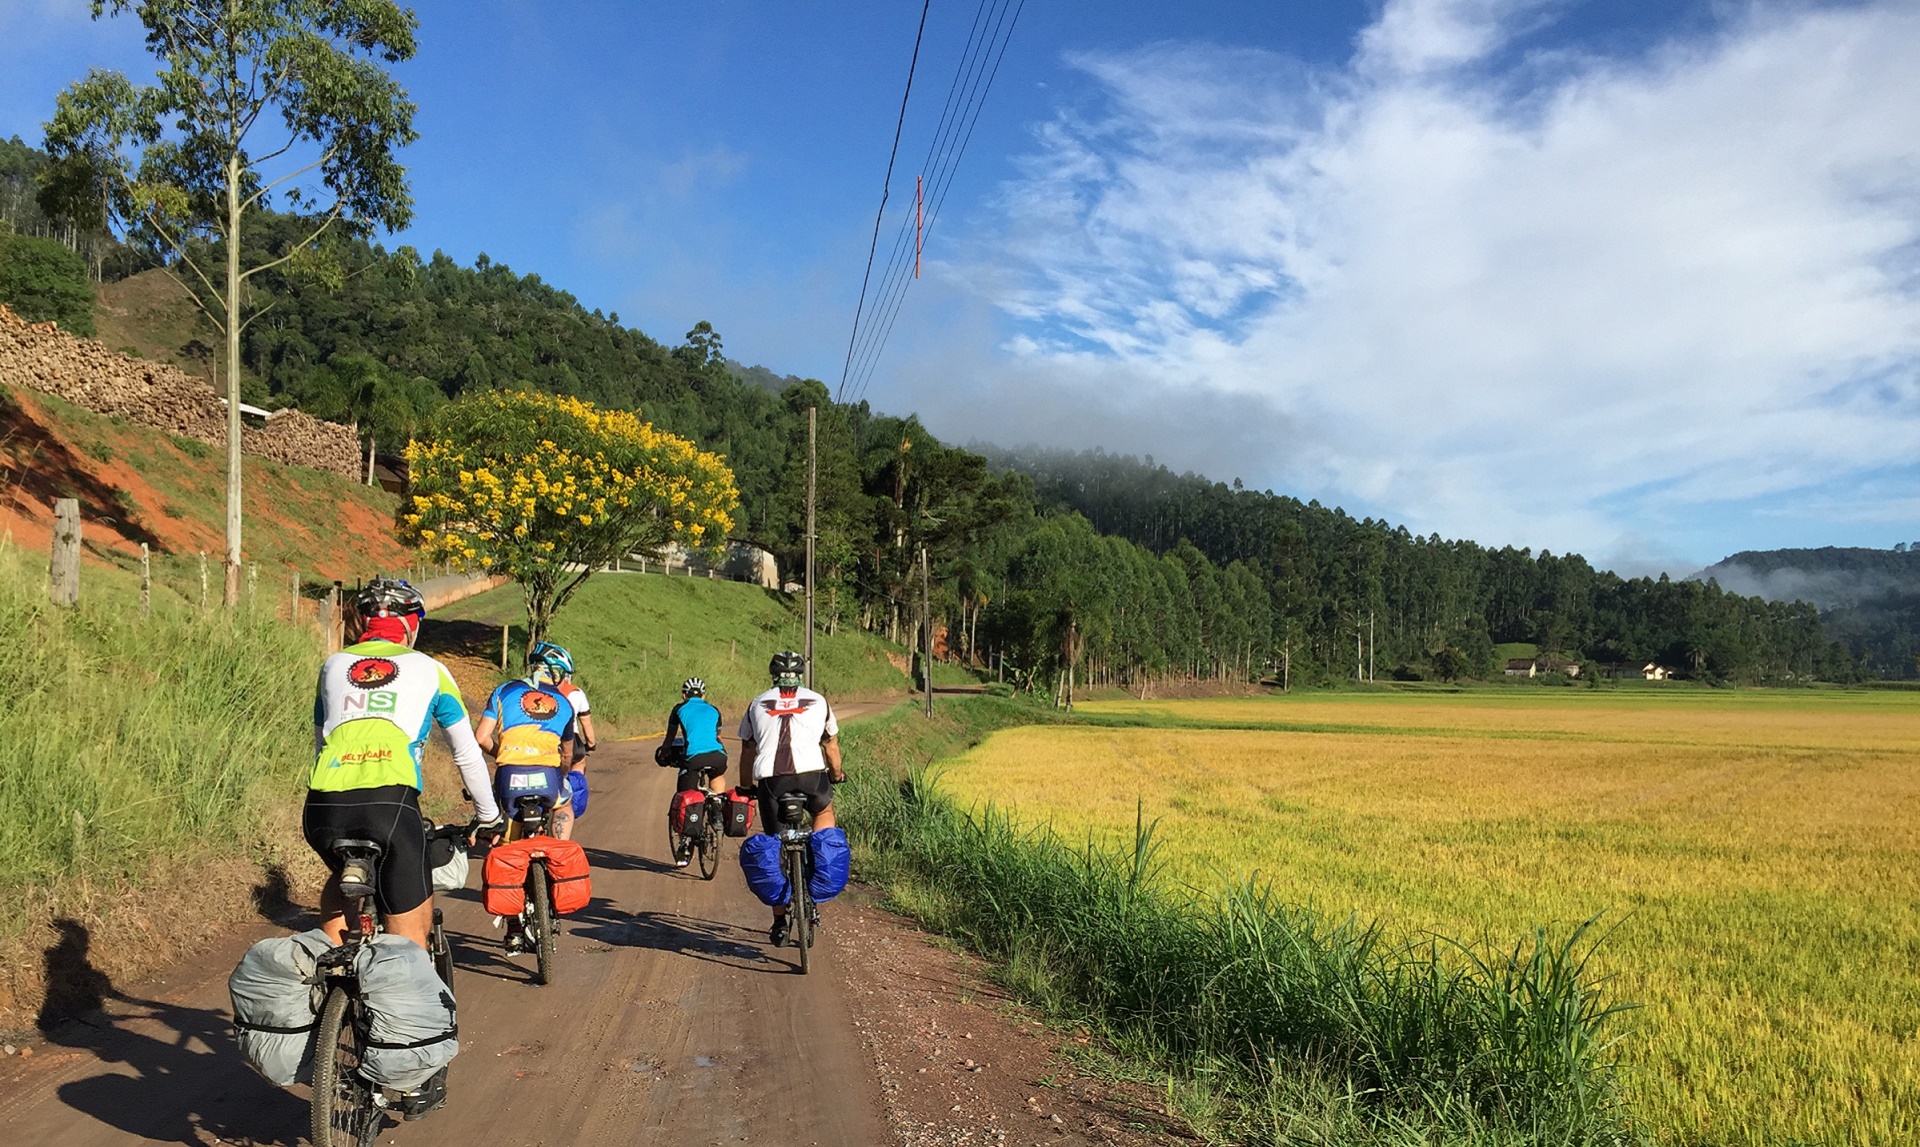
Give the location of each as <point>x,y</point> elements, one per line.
<point>796,864</point>
<point>539,927</point>
<point>348,1111</point>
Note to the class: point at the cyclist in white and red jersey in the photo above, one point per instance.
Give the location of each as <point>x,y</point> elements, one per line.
<point>790,743</point>
<point>377,701</point>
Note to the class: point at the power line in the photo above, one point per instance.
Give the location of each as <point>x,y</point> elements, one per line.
<point>964,79</point>
<point>886,187</point>
<point>945,170</point>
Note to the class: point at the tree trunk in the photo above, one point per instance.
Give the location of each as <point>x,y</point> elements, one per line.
<point>232,595</point>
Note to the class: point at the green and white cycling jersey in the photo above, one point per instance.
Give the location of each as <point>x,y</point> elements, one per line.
<point>375,706</point>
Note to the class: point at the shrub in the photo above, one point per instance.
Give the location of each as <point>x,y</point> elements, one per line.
<point>41,280</point>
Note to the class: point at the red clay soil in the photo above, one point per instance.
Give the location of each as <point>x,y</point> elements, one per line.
<point>319,522</point>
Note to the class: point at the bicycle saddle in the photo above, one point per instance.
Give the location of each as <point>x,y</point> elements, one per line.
<point>359,863</point>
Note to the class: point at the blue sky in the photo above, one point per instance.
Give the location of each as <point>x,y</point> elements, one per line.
<point>1635,277</point>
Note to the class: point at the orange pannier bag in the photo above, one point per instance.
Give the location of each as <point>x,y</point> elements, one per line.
<point>567,866</point>
<point>503,889</point>
<point>503,881</point>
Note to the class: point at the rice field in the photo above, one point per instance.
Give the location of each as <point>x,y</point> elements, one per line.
<point>1758,855</point>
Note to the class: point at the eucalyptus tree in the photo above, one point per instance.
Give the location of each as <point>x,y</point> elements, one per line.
<point>254,101</point>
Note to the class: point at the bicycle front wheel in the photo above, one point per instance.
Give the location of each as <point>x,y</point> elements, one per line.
<point>343,1112</point>
<point>541,924</point>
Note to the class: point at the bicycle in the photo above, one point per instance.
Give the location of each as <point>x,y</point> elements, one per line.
<point>796,864</point>
<point>533,816</point>
<point>347,1111</point>
<point>708,840</point>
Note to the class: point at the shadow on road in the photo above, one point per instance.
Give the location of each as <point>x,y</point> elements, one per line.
<point>600,858</point>
<point>187,1085</point>
<point>708,940</point>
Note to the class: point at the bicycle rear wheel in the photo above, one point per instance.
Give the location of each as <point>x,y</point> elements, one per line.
<point>343,1113</point>
<point>799,911</point>
<point>541,924</point>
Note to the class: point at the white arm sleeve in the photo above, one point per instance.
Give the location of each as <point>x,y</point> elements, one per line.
<point>473,769</point>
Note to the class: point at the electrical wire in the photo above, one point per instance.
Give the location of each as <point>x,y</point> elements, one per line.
<point>886,187</point>
<point>944,165</point>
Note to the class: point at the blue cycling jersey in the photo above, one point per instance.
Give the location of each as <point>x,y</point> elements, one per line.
<point>699,723</point>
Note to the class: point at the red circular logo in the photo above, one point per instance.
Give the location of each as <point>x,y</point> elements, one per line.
<point>372,673</point>
<point>538,705</point>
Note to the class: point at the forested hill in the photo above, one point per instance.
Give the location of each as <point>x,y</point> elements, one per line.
<point>1869,599</point>
<point>1332,574</point>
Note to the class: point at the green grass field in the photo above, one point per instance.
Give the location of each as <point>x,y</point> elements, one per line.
<point>1755,853</point>
<point>636,637</point>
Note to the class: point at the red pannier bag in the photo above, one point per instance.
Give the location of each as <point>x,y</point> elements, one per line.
<point>739,813</point>
<point>687,814</point>
<point>503,881</point>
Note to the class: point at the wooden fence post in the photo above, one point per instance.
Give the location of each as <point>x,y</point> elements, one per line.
<point>326,621</point>
<point>146,581</point>
<point>293,603</point>
<point>203,579</point>
<point>337,632</point>
<point>64,571</point>
<point>253,583</point>
<point>506,629</point>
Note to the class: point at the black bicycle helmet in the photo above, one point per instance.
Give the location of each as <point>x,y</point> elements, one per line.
<point>787,668</point>
<point>389,597</point>
<point>693,687</point>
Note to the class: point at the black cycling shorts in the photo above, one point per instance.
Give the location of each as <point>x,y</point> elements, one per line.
<point>390,817</point>
<point>817,786</point>
<point>701,765</point>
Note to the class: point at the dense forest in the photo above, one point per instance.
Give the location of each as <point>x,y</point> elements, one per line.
<point>1050,566</point>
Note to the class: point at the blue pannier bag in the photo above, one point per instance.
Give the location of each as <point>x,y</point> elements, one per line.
<point>577,783</point>
<point>832,860</point>
<point>760,863</point>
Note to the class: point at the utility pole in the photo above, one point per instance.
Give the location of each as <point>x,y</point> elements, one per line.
<point>1369,643</point>
<point>813,467</point>
<point>926,632</point>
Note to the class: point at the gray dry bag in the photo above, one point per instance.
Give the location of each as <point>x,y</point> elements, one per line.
<point>274,990</point>
<point>409,1014</point>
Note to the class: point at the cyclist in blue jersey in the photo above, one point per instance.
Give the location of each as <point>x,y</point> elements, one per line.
<point>693,733</point>
<point>528,727</point>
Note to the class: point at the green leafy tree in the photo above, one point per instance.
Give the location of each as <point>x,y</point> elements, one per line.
<point>254,99</point>
<point>42,280</point>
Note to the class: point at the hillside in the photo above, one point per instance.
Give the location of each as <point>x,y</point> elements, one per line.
<point>136,484</point>
<point>1869,599</point>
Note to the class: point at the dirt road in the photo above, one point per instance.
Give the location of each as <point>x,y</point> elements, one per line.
<point>670,1021</point>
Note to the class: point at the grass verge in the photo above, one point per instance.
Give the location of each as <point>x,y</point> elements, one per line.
<point>131,747</point>
<point>1268,1023</point>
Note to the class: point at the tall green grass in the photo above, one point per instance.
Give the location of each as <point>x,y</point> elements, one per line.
<point>1291,1028</point>
<point>122,737</point>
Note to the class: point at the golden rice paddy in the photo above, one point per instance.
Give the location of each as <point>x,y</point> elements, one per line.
<point>1757,855</point>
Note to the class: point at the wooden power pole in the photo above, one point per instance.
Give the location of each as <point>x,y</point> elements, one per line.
<point>926,631</point>
<point>813,466</point>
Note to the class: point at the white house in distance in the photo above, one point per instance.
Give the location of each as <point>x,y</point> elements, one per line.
<point>744,561</point>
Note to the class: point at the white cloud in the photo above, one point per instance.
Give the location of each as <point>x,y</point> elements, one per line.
<point>1578,311</point>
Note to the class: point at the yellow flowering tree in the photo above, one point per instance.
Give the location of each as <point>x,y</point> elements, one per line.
<point>546,489</point>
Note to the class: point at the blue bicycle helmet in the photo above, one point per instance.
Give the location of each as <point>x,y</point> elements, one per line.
<point>553,658</point>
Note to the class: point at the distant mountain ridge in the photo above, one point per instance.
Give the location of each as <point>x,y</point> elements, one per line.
<point>1869,599</point>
